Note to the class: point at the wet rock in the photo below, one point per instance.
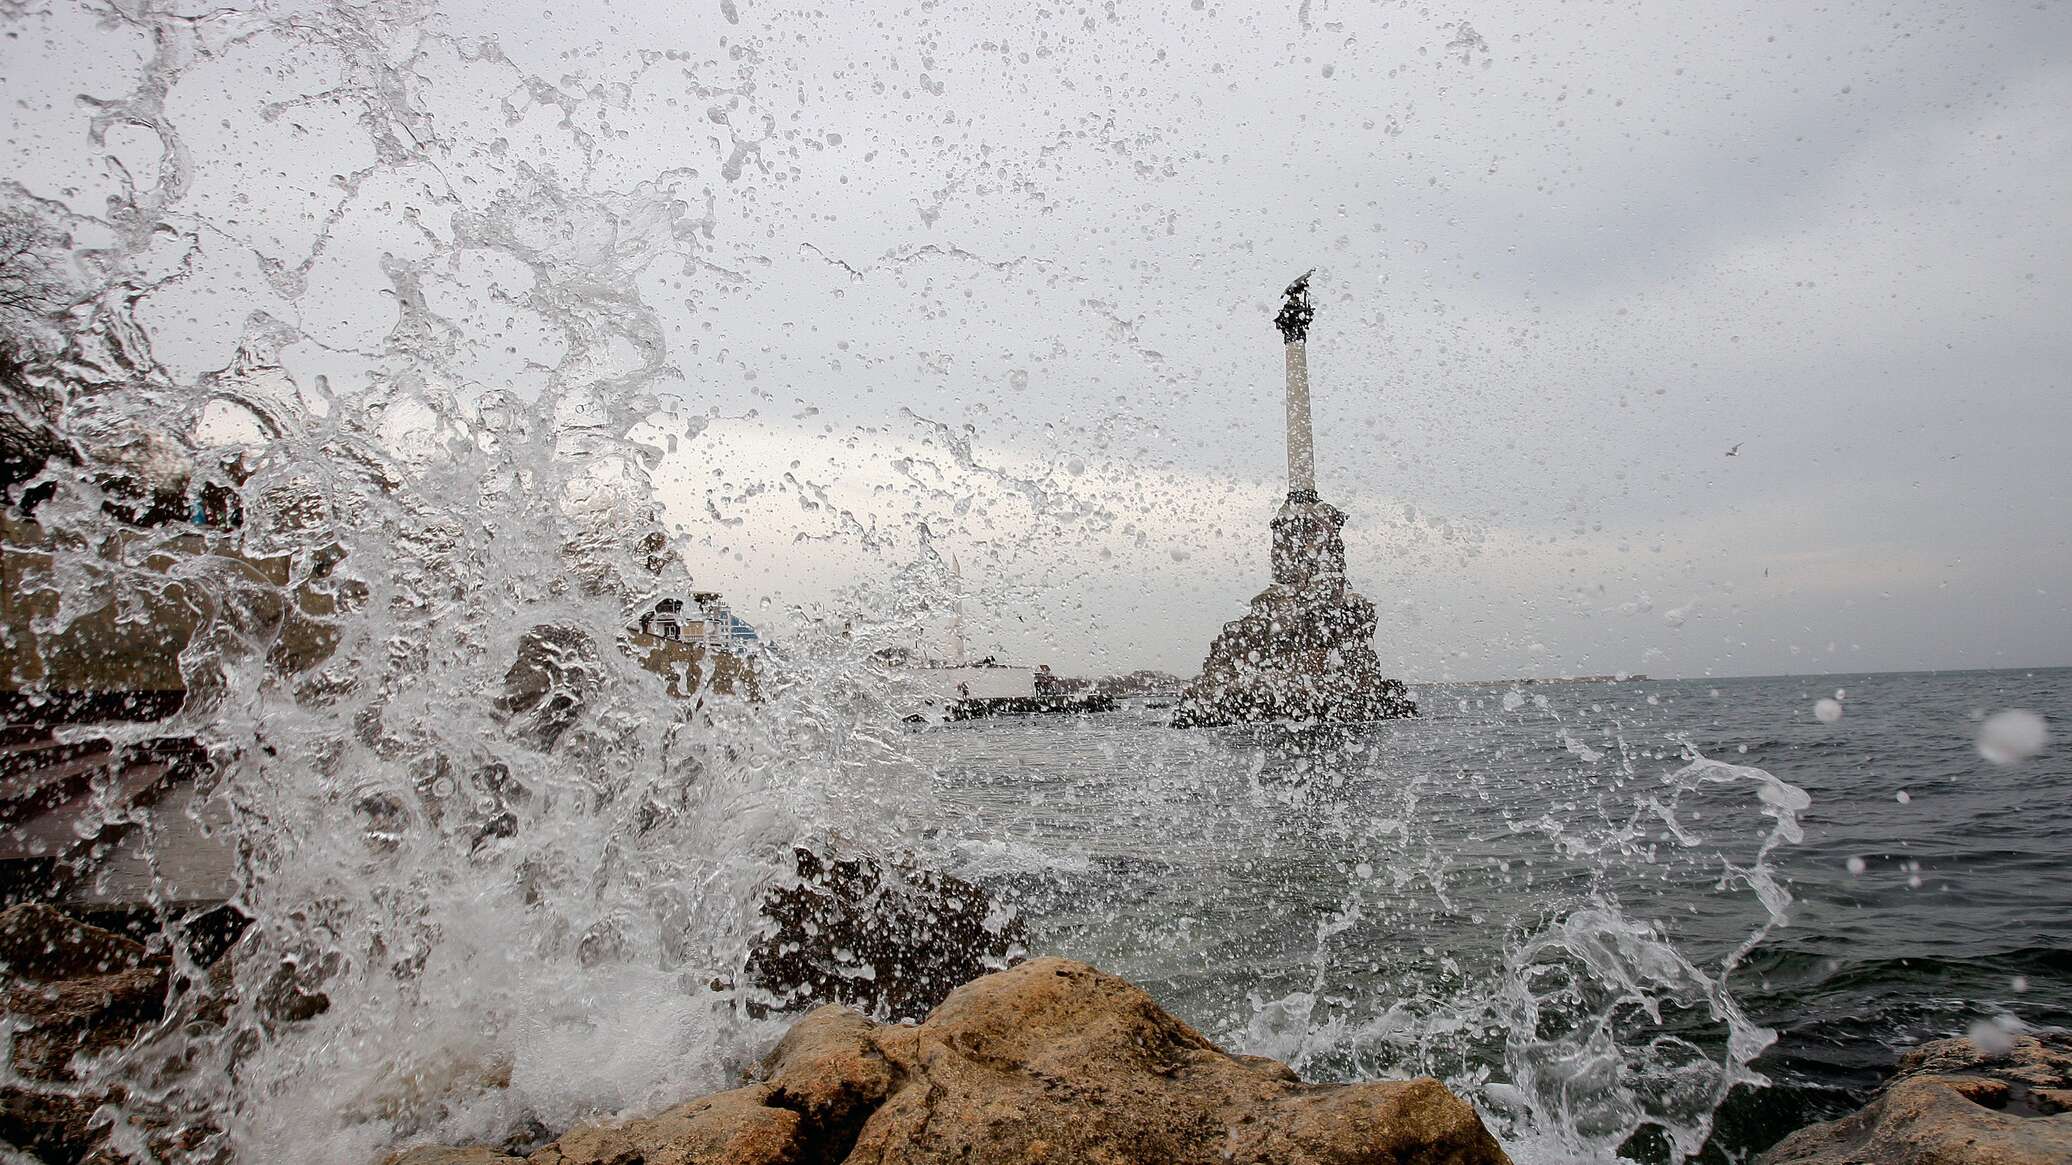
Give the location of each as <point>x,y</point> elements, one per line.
<point>70,990</point>
<point>40,943</point>
<point>740,1127</point>
<point>1955,1102</point>
<point>554,678</point>
<point>1049,1061</point>
<point>443,1155</point>
<point>86,1016</point>
<point>887,938</point>
<point>52,1126</point>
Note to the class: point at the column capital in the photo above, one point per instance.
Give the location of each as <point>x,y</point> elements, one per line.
<point>1296,310</point>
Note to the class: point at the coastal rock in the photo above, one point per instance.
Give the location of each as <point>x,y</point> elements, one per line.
<point>71,989</point>
<point>555,677</point>
<point>50,1126</point>
<point>442,1155</point>
<point>1051,1061</point>
<point>86,1016</point>
<point>1955,1102</point>
<point>741,1127</point>
<point>41,943</point>
<point>888,938</point>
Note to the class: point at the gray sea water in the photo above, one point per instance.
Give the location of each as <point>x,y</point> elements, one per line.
<point>1533,892</point>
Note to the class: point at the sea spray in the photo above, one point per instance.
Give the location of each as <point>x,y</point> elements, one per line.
<point>473,918</point>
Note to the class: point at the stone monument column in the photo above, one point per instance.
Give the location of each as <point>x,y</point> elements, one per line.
<point>1302,449</point>
<point>1304,653</point>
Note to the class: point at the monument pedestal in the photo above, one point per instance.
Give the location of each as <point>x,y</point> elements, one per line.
<point>1305,651</point>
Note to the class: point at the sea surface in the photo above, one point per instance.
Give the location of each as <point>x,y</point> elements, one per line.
<point>1583,902</point>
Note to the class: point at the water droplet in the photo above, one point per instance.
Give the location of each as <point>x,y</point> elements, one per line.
<point>2012,736</point>
<point>1856,866</point>
<point>1827,711</point>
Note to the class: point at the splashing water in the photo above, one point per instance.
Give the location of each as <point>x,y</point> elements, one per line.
<point>477,906</point>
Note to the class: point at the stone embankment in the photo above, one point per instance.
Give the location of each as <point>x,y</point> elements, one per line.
<point>1998,1101</point>
<point>1051,1061</point>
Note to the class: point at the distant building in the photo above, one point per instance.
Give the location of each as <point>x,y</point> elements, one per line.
<point>721,628</point>
<point>665,621</point>
<point>713,625</point>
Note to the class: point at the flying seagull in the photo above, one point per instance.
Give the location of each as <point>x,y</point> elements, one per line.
<point>1736,449</point>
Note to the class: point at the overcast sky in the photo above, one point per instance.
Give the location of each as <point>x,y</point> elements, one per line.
<point>1008,274</point>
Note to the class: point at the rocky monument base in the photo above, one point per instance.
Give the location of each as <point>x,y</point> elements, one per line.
<point>1305,651</point>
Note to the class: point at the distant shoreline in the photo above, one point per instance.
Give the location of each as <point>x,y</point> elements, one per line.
<point>1653,679</point>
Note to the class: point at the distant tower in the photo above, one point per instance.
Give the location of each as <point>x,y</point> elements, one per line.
<point>957,611</point>
<point>1305,650</point>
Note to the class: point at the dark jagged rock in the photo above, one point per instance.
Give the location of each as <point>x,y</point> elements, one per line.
<point>554,678</point>
<point>71,990</point>
<point>1955,1102</point>
<point>56,1127</point>
<point>887,938</point>
<point>74,991</point>
<point>41,943</point>
<point>1052,1061</point>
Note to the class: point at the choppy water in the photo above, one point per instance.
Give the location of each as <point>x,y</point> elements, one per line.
<point>1361,904</point>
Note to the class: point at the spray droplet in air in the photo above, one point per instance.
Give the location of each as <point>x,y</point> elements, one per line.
<point>2012,736</point>
<point>1827,711</point>
<point>1856,867</point>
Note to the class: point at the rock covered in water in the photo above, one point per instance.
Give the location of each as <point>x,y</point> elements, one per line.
<point>40,943</point>
<point>444,1155</point>
<point>1955,1102</point>
<point>1051,1061</point>
<point>888,938</point>
<point>71,990</point>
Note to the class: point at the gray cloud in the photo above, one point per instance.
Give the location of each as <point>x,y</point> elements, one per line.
<point>1567,262</point>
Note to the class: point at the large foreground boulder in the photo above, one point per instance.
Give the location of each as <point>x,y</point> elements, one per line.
<point>1052,1061</point>
<point>1955,1102</point>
